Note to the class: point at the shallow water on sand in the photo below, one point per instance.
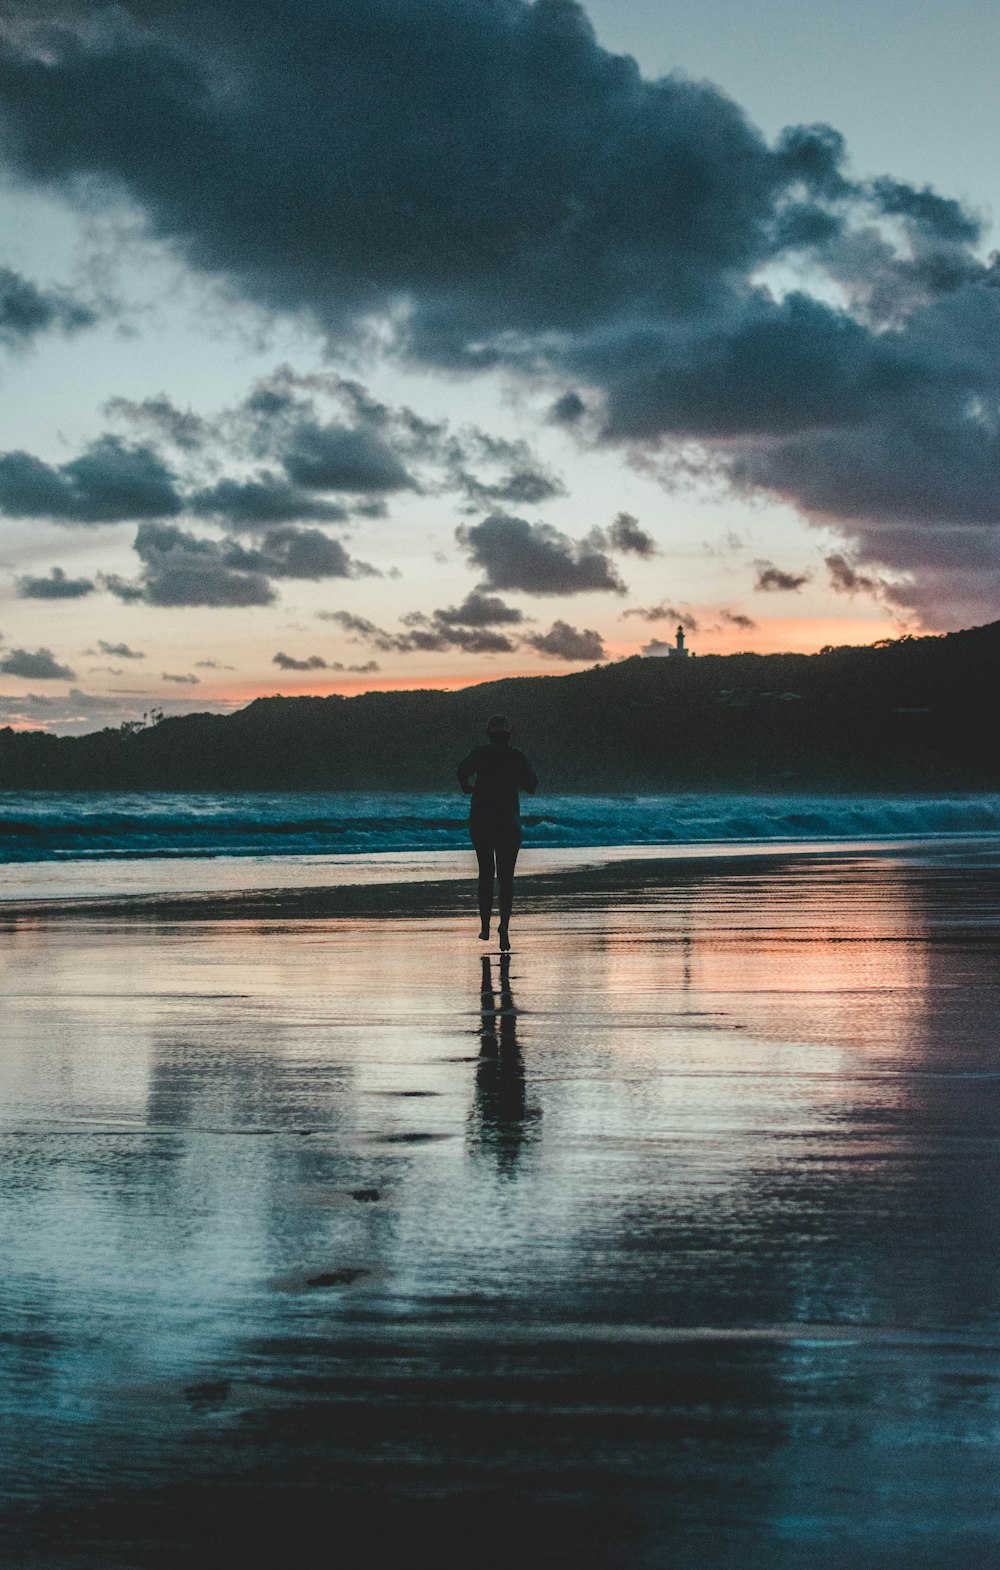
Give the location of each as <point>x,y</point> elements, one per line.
<point>671,1242</point>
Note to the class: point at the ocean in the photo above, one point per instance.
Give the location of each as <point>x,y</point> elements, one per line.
<point>43,827</point>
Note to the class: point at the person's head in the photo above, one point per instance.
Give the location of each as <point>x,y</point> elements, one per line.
<point>498,728</point>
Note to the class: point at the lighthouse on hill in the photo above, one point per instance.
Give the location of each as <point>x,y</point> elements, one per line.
<point>678,650</point>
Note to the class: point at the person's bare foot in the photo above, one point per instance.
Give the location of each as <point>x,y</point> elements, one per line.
<point>504,937</point>
<point>484,933</point>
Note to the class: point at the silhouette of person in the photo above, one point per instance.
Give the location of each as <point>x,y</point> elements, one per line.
<point>500,773</point>
<point>500,1105</point>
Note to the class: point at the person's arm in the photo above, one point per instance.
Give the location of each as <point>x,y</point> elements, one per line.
<point>528,778</point>
<point>465,771</point>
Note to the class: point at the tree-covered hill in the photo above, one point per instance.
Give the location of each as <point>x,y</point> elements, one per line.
<point>911,714</point>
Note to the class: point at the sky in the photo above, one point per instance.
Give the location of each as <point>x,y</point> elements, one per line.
<point>408,343</point>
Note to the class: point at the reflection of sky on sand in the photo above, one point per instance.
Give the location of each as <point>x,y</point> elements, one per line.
<point>88,878</point>
<point>285,1161</point>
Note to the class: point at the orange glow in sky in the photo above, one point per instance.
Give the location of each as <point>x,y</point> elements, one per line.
<point>782,635</point>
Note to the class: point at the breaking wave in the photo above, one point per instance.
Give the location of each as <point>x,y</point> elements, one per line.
<point>46,827</point>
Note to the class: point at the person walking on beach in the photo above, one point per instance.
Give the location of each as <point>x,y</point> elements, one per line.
<point>500,772</point>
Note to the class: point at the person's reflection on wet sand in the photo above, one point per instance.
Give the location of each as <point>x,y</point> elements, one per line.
<point>500,1110</point>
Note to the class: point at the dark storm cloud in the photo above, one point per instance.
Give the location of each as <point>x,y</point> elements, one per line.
<point>563,642</point>
<point>664,612</point>
<point>482,185</point>
<point>773,580</point>
<point>536,558</point>
<point>26,311</point>
<point>55,587</point>
<point>109,483</point>
<point>41,665</point>
<point>625,535</point>
<point>490,166</point>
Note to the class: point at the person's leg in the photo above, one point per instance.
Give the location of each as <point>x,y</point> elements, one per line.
<point>506,859</point>
<point>485,855</point>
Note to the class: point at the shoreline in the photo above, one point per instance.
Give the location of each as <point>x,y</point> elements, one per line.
<point>602,871</point>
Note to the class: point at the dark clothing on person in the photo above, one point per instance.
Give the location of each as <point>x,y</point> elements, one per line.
<point>501,773</point>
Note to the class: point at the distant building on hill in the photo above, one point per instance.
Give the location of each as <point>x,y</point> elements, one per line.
<point>678,650</point>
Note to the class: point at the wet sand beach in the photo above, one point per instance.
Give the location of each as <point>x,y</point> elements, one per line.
<point>327,1238</point>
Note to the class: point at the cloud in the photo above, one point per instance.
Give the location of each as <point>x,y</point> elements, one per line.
<point>563,642</point>
<point>213,665</point>
<point>536,558</point>
<point>626,535</point>
<point>772,579</point>
<point>316,662</point>
<point>119,651</point>
<point>480,610</point>
<point>180,569</point>
<point>291,552</point>
<point>664,612</point>
<point>516,182</point>
<point>431,634</point>
<point>33,706</point>
<point>26,311</point>
<point>42,665</point>
<point>55,587</point>
<point>521,199</point>
<point>182,681</point>
<point>738,619</point>
<point>77,711</point>
<point>424,635</point>
<point>356,626</point>
<point>337,458</point>
<point>161,418</point>
<point>846,579</point>
<point>292,458</point>
<point>241,504</point>
<point>313,662</point>
<point>569,409</point>
<point>523,480</point>
<point>109,483</point>
<point>526,486</point>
